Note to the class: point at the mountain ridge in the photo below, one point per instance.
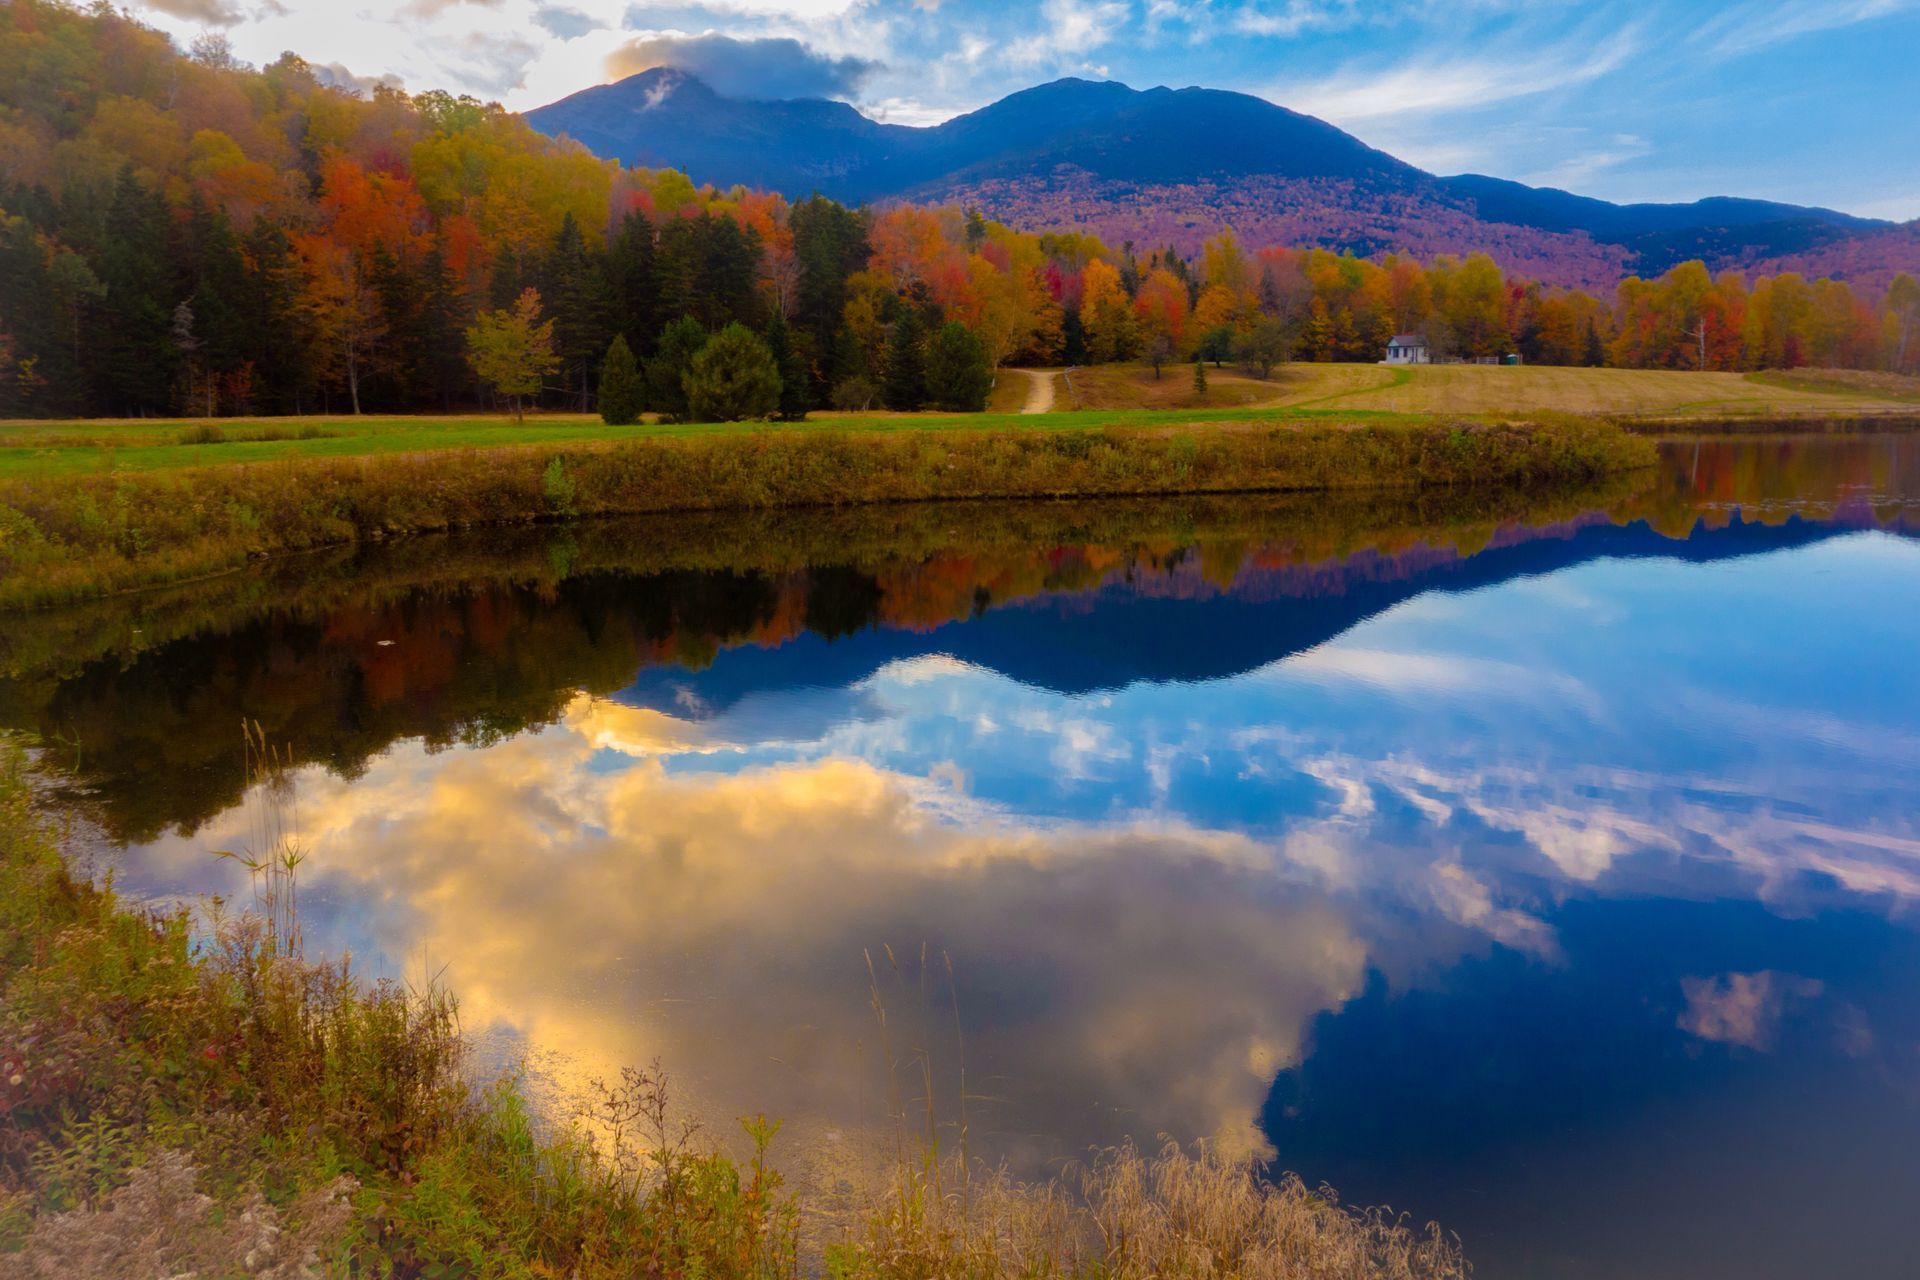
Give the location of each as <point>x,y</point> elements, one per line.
<point>1165,165</point>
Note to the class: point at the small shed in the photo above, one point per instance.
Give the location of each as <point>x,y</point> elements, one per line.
<point>1408,348</point>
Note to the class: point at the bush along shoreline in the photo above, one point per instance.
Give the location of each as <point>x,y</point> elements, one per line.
<point>184,1094</point>
<point>70,538</point>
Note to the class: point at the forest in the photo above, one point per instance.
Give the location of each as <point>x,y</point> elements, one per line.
<point>182,234</point>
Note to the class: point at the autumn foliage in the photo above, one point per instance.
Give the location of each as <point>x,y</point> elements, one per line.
<point>182,233</point>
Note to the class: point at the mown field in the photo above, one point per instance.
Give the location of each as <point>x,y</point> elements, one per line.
<point>1109,396</point>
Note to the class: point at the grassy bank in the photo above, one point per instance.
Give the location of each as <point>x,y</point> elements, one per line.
<point>200,1098</point>
<point>74,536</point>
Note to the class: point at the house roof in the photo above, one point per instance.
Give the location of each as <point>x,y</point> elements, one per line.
<point>1407,340</point>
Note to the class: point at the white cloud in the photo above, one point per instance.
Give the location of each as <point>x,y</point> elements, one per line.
<point>1437,84</point>
<point>1748,28</point>
<point>1067,29</point>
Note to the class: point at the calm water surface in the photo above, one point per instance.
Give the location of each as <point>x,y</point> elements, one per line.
<point>1546,867</point>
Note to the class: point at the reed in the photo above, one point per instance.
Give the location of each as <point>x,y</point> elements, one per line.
<point>71,537</point>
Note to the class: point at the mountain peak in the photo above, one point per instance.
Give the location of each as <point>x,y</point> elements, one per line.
<point>1162,166</point>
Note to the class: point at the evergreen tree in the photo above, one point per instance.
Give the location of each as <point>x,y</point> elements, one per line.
<point>958,375</point>
<point>1073,338</point>
<point>621,390</point>
<point>796,386</point>
<point>574,288</point>
<point>733,378</point>
<point>401,369</point>
<point>134,356</point>
<point>1200,379</point>
<point>437,327</point>
<point>218,296</point>
<point>278,331</point>
<point>666,369</point>
<point>905,387</point>
<point>848,359</point>
<point>634,281</point>
<point>830,244</point>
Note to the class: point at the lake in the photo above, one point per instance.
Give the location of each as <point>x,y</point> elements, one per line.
<point>1545,865</point>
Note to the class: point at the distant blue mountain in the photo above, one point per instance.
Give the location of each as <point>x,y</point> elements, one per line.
<point>1164,165</point>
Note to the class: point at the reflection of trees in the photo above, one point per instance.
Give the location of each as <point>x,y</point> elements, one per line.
<point>472,639</point>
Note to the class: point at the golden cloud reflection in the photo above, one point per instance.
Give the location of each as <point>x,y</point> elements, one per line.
<point>590,899</point>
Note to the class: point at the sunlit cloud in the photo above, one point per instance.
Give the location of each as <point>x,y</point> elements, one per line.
<point>1743,1009</point>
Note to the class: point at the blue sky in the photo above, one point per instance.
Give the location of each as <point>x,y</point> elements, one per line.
<point>1798,100</point>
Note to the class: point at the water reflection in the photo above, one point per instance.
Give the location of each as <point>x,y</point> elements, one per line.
<point>1543,871</point>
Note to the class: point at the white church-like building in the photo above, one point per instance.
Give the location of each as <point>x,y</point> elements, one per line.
<point>1408,348</point>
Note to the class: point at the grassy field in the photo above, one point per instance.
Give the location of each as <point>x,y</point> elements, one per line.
<point>1110,396</point>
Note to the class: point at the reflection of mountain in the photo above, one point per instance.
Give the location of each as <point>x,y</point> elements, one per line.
<point>1124,630</point>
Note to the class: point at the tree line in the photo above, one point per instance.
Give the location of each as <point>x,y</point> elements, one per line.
<point>183,234</point>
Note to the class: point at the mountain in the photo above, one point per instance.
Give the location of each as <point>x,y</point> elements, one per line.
<point>1161,166</point>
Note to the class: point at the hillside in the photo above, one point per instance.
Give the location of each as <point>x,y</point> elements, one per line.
<point>1166,166</point>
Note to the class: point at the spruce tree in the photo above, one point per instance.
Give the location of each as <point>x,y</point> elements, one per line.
<point>573,285</point>
<point>796,387</point>
<point>134,354</point>
<point>666,370</point>
<point>958,377</point>
<point>621,390</point>
<point>1200,378</point>
<point>905,387</point>
<point>634,280</point>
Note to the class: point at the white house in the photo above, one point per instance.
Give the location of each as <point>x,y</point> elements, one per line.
<point>1408,348</point>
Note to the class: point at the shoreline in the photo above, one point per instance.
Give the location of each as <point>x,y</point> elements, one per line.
<point>70,538</point>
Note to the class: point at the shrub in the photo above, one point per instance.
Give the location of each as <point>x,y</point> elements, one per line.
<point>855,394</point>
<point>733,378</point>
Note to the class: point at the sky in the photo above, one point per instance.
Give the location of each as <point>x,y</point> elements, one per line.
<point>1807,101</point>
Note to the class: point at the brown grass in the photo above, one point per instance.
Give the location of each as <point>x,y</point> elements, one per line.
<point>1872,384</point>
<point>1482,389</point>
<point>1126,1215</point>
<point>1133,386</point>
<point>72,537</point>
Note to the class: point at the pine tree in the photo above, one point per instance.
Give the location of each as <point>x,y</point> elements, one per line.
<point>621,390</point>
<point>958,376</point>
<point>573,284</point>
<point>1073,338</point>
<point>733,378</point>
<point>905,387</point>
<point>796,386</point>
<point>1200,379</point>
<point>133,352</point>
<point>633,278</point>
<point>666,369</point>
<point>279,337</point>
<point>444,377</point>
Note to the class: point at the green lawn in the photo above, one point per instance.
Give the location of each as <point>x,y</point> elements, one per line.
<point>1300,393</point>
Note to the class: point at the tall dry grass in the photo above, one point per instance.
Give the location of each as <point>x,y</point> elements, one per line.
<point>67,538</point>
